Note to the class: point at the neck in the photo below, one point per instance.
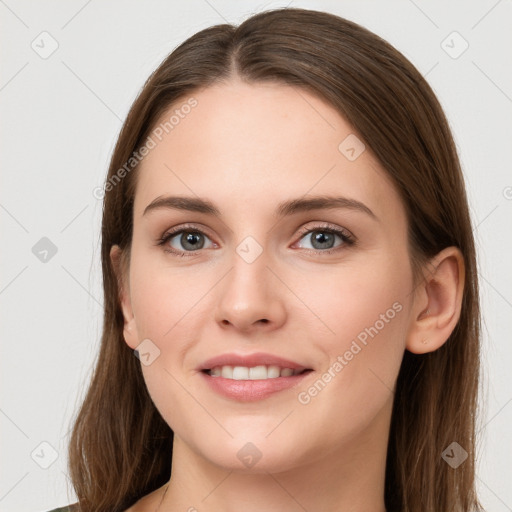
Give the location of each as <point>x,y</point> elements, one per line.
<point>350,477</point>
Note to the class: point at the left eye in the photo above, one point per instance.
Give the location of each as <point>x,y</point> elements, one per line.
<point>320,239</point>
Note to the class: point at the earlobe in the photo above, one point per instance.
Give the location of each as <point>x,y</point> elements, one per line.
<point>438,302</point>
<point>130,328</point>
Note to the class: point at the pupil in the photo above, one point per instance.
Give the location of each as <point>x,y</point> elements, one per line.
<point>192,240</point>
<point>324,239</point>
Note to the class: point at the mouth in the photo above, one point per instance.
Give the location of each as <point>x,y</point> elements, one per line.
<point>252,377</point>
<point>259,372</point>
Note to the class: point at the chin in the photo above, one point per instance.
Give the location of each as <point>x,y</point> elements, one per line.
<point>255,451</point>
<point>249,459</point>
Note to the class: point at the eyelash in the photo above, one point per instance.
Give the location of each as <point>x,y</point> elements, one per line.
<point>345,235</point>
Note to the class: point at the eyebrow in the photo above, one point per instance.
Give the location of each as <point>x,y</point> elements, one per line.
<point>290,207</point>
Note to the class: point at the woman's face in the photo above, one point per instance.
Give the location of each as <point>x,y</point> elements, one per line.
<point>271,273</point>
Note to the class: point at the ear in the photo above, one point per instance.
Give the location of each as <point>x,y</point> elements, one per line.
<point>130,327</point>
<point>437,302</point>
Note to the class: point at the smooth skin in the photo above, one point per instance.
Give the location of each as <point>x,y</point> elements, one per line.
<point>246,148</point>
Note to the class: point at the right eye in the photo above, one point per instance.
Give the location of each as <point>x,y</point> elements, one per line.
<point>182,241</point>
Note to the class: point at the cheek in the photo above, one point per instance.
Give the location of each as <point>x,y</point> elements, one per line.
<point>169,304</point>
<point>353,300</point>
<point>164,299</point>
<point>364,318</point>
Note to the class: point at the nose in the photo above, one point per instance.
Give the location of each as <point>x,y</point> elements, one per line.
<point>251,298</point>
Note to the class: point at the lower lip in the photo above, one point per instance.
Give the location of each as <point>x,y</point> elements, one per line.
<point>251,390</point>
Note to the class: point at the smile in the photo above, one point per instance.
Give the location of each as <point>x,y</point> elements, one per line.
<point>261,372</point>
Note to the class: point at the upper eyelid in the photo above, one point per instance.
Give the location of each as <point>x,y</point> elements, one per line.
<point>325,226</point>
<point>190,228</point>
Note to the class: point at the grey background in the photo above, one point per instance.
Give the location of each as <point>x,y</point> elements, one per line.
<point>60,117</point>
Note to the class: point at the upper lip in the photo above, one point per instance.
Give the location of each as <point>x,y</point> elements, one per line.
<point>250,360</point>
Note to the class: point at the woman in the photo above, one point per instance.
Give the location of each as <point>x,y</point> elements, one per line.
<point>287,250</point>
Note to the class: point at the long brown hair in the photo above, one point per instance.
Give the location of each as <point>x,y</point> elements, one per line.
<point>120,448</point>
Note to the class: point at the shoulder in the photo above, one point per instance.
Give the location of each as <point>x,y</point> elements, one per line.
<point>68,508</point>
<point>74,508</point>
<point>148,502</point>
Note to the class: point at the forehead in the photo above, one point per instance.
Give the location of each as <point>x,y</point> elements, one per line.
<point>247,145</point>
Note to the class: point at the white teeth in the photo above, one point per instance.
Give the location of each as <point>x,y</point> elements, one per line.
<point>273,372</point>
<point>258,372</point>
<point>227,372</point>
<point>240,373</point>
<point>253,373</point>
